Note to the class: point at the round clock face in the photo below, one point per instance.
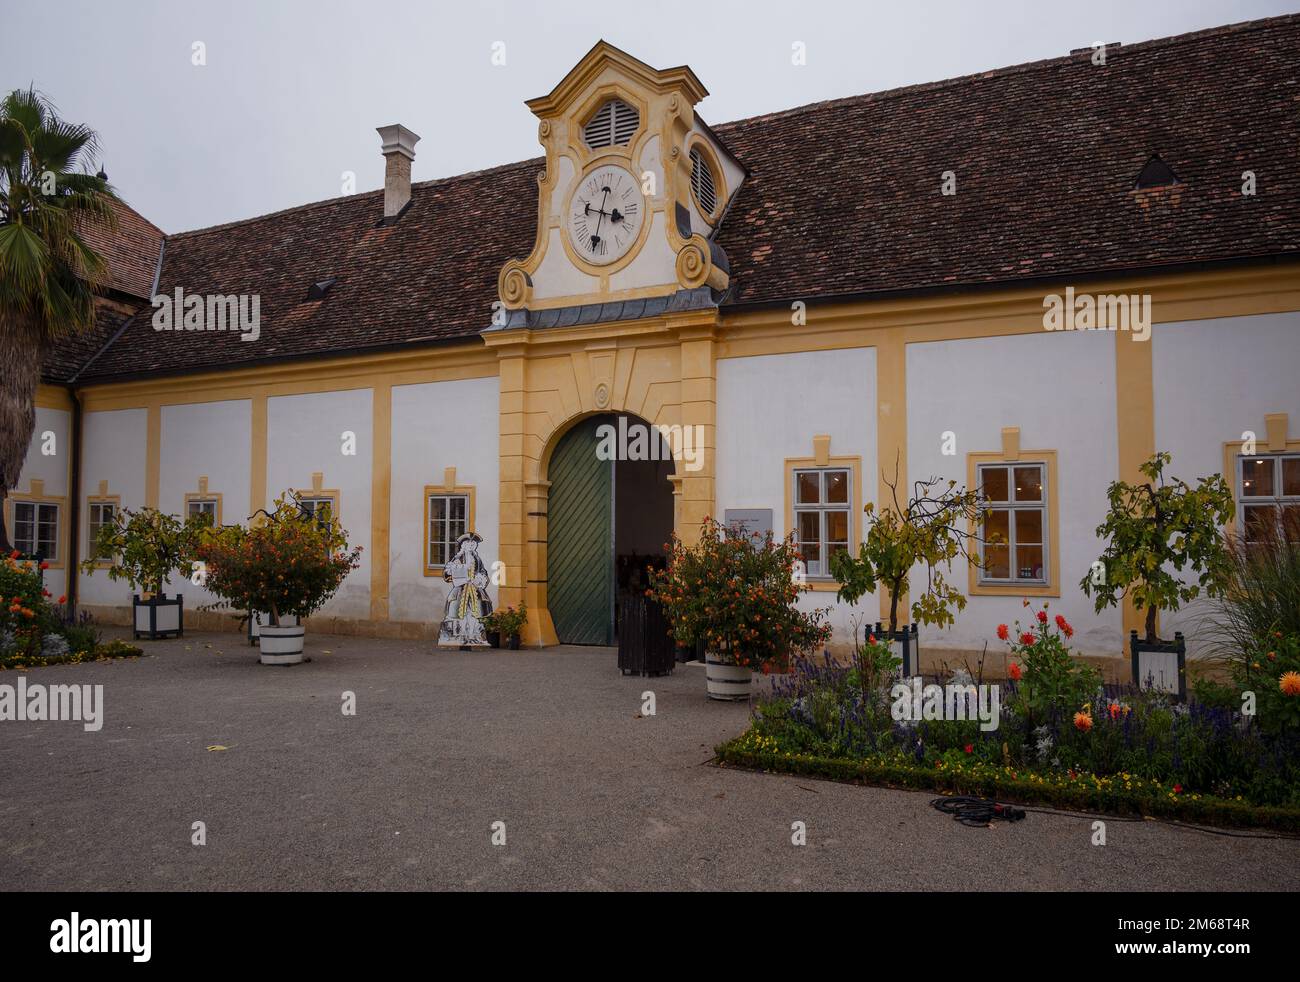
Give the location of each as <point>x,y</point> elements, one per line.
<point>605,214</point>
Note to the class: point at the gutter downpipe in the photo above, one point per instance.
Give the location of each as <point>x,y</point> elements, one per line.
<point>78,414</point>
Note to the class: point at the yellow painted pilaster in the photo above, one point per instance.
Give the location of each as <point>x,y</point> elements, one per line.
<point>891,436</point>
<point>153,458</point>
<point>540,626</point>
<point>699,406</point>
<point>380,498</point>
<point>257,465</point>
<point>1136,420</point>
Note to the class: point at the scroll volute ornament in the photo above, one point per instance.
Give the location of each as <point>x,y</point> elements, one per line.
<point>514,285</point>
<point>693,263</point>
<point>695,266</point>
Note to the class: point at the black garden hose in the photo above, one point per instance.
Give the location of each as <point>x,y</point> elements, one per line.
<point>978,813</point>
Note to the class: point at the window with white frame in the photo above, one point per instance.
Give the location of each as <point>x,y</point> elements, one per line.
<point>321,507</point>
<point>1016,523</point>
<point>1268,495</point>
<point>206,507</point>
<point>448,520</point>
<point>98,514</point>
<point>36,529</point>
<point>822,515</point>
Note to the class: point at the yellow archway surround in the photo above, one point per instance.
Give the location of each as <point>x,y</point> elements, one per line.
<point>661,369</point>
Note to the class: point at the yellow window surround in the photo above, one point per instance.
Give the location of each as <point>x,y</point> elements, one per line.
<point>319,491</point>
<point>1276,441</point>
<point>100,498</point>
<point>821,459</point>
<point>1011,453</point>
<point>448,487</point>
<point>204,495</point>
<point>36,495</point>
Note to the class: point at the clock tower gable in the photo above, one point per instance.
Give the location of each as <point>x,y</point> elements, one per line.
<point>633,188</point>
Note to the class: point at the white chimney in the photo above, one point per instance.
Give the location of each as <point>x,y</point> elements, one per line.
<point>399,151</point>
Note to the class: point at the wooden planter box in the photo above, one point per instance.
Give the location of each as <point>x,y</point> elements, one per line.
<point>644,645</point>
<point>158,617</point>
<point>905,644</point>
<point>1164,663</point>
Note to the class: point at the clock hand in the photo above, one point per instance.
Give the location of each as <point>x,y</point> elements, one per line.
<point>602,213</point>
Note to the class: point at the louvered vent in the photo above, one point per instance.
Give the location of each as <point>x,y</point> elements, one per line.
<point>614,124</point>
<point>706,194</point>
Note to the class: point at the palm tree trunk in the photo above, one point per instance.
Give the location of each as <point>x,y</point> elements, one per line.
<point>21,354</point>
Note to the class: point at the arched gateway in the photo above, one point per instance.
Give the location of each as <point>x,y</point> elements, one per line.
<point>609,515</point>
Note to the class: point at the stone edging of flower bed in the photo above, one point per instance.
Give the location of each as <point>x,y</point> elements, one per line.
<point>1205,810</point>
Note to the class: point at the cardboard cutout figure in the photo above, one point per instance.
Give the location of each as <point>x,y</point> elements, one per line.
<point>467,601</point>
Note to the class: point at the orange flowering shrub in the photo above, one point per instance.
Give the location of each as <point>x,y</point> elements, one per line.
<point>737,594</point>
<point>25,614</point>
<point>290,564</point>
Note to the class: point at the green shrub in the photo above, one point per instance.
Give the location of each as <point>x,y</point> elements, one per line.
<point>738,595</point>
<point>508,622</point>
<point>1263,594</point>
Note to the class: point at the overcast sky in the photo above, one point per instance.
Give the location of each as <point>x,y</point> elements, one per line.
<point>292,90</point>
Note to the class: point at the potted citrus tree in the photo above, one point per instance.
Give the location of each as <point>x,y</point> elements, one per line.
<point>288,565</point>
<point>145,547</point>
<point>939,523</point>
<point>737,594</point>
<point>1157,533</point>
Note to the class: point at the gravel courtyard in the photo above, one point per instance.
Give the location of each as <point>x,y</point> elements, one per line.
<point>404,794</point>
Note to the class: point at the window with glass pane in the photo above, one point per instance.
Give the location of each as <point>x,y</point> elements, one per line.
<point>1268,495</point>
<point>822,516</point>
<point>36,529</point>
<point>206,507</point>
<point>322,509</point>
<point>98,515</point>
<point>1015,529</point>
<point>448,521</point>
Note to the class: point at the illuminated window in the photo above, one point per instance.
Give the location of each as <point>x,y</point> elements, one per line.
<point>1268,495</point>
<point>822,515</point>
<point>1016,522</point>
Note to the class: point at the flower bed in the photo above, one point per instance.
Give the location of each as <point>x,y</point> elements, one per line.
<point>34,630</point>
<point>105,651</point>
<point>1083,792</point>
<point>1058,740</point>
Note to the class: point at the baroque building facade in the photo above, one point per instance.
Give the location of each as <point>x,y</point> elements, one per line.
<point>821,305</point>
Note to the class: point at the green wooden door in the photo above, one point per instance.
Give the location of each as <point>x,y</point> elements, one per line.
<point>580,539</point>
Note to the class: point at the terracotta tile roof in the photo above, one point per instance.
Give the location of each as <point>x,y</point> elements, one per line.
<point>76,352</point>
<point>843,199</point>
<point>844,196</point>
<point>131,250</point>
<point>430,277</point>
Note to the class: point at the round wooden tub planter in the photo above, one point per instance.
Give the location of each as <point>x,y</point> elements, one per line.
<point>281,644</point>
<point>727,682</point>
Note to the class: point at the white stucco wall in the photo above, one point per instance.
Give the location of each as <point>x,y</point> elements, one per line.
<point>52,431</point>
<point>115,449</point>
<point>438,425</point>
<point>51,468</point>
<point>1059,389</point>
<point>769,408</point>
<point>1215,379</point>
<point>304,435</point>
<point>208,439</point>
